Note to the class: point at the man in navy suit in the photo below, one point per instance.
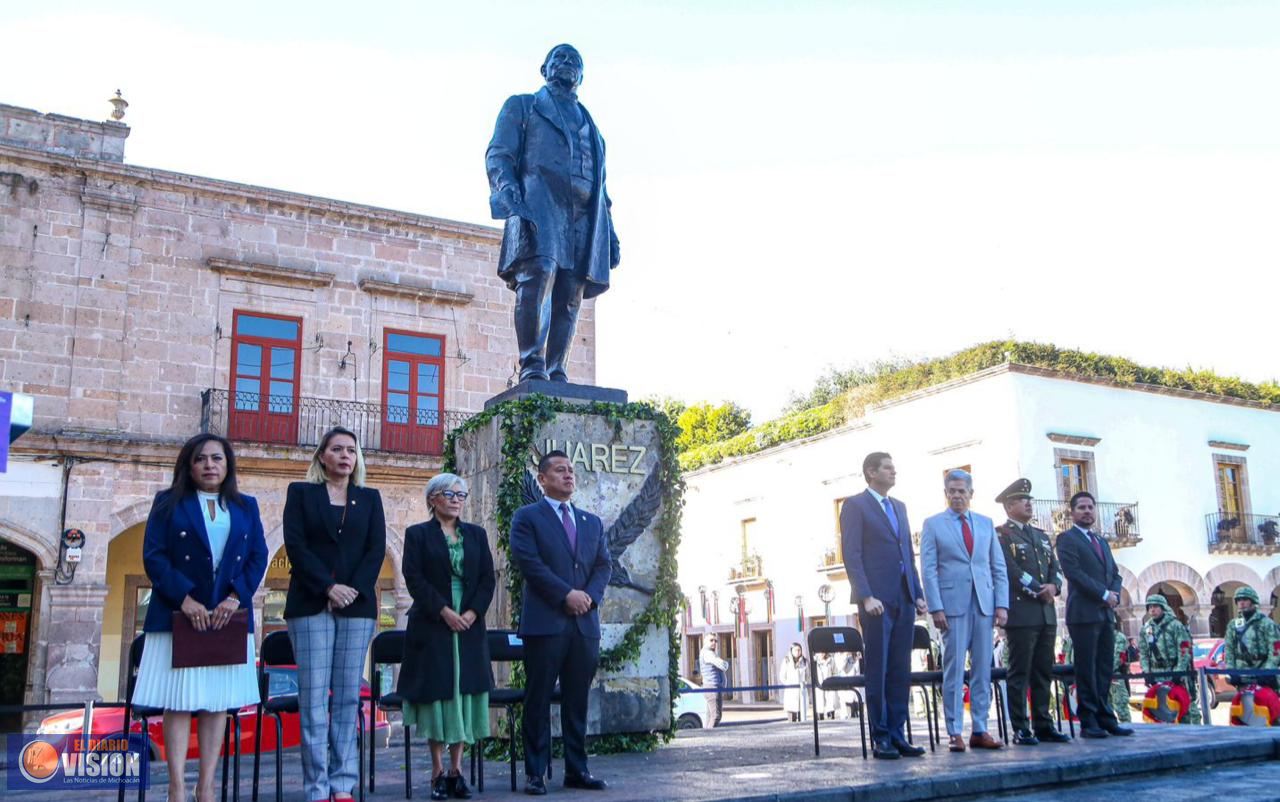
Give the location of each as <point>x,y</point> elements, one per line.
<point>564,559</point>
<point>882,574</point>
<point>1093,593</point>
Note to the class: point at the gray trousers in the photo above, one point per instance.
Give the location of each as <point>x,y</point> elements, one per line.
<point>330,651</point>
<point>967,634</point>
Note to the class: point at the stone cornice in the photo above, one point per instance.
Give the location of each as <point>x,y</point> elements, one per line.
<point>271,274</point>
<point>1228,446</point>
<point>484,236</point>
<point>1073,439</point>
<point>415,291</point>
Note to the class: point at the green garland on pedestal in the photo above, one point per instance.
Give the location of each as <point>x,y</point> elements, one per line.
<point>520,421</point>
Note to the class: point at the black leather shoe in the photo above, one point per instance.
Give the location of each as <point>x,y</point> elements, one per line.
<point>1119,731</point>
<point>458,787</point>
<point>534,786</point>
<point>1025,738</point>
<point>440,787</point>
<point>1053,737</point>
<point>585,782</point>
<point>908,750</point>
<point>1092,732</point>
<point>884,750</point>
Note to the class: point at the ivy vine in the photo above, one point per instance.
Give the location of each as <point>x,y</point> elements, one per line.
<point>519,421</point>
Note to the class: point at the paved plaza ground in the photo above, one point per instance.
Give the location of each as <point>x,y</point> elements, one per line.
<point>775,761</point>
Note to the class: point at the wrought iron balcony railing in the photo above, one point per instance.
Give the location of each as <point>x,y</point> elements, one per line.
<point>1117,522</point>
<point>255,418</point>
<point>1236,533</point>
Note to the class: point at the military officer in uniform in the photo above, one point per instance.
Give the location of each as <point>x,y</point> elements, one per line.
<point>1120,677</point>
<point>1253,639</point>
<point>1030,634</point>
<point>1165,645</point>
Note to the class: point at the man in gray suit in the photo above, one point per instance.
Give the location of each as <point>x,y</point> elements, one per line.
<point>965,585</point>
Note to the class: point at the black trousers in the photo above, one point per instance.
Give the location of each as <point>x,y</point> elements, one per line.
<point>1031,666</point>
<point>571,658</point>
<point>1094,646</point>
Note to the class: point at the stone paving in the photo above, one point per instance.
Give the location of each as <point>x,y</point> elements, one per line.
<point>775,761</point>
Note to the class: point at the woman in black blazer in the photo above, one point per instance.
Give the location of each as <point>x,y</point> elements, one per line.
<point>336,538</point>
<point>444,679</point>
<point>205,554</point>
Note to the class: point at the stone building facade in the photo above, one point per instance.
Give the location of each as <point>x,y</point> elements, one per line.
<point>140,306</point>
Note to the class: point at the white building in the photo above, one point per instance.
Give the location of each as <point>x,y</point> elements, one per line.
<point>1188,486</point>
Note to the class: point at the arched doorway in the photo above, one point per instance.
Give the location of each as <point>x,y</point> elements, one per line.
<point>17,600</point>
<point>1177,594</point>
<point>1224,608</point>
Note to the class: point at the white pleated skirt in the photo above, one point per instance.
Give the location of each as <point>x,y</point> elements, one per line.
<point>191,689</point>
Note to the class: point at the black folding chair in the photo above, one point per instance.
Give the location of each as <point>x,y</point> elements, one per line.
<point>144,714</point>
<point>277,651</point>
<point>1000,674</point>
<point>927,682</point>
<point>833,640</point>
<point>388,650</point>
<point>505,646</point>
<point>1063,674</point>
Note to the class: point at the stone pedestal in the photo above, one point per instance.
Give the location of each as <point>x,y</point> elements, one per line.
<point>618,477</point>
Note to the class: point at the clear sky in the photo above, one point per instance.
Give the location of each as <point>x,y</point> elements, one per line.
<point>795,184</point>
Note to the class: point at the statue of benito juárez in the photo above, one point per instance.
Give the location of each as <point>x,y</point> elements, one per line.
<point>546,180</point>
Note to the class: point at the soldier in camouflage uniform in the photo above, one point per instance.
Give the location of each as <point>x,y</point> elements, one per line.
<point>1165,645</point>
<point>1253,639</point>
<point>1120,677</point>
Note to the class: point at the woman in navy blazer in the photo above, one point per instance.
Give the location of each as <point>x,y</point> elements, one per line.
<point>205,554</point>
<point>336,538</point>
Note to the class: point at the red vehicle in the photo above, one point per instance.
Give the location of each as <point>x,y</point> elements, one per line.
<point>283,682</point>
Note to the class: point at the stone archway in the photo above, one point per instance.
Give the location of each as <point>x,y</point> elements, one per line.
<point>1225,580</point>
<point>46,553</point>
<point>1272,582</point>
<point>1130,610</point>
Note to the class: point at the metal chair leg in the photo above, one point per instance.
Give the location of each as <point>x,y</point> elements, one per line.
<point>257,754</point>
<point>360,739</point>
<point>862,723</point>
<point>279,758</point>
<point>226,759</point>
<point>408,766</point>
<point>373,750</point>
<point>146,744</point>
<point>813,693</point>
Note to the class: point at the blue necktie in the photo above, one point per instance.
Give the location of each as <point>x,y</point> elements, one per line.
<point>893,516</point>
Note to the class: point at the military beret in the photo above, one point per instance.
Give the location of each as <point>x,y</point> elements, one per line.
<point>1249,593</point>
<point>1015,491</point>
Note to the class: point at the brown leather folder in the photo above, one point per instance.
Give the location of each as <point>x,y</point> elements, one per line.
<point>222,647</point>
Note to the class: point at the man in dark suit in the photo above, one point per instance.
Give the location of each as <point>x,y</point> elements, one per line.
<point>1093,593</point>
<point>880,562</point>
<point>546,180</point>
<point>564,560</point>
<point>1032,629</point>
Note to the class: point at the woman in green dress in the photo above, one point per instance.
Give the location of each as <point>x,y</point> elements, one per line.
<point>445,677</point>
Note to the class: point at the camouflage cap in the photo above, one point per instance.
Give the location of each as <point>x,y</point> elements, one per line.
<point>1018,490</point>
<point>1158,599</point>
<point>1249,593</point>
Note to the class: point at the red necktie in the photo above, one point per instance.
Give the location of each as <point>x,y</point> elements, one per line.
<point>968,533</point>
<point>1097,547</point>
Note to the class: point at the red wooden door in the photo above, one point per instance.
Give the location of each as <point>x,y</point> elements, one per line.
<point>265,357</point>
<point>413,392</point>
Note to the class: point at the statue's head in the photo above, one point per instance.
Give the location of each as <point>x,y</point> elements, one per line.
<point>563,66</point>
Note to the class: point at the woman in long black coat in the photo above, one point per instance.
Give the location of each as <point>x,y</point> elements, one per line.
<point>444,679</point>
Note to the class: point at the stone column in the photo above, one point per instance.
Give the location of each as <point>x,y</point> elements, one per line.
<point>1198,619</point>
<point>74,634</point>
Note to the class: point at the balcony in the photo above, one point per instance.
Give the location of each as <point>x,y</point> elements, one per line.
<point>1117,522</point>
<point>1246,535</point>
<point>749,574</point>
<point>303,421</point>
<point>832,564</point>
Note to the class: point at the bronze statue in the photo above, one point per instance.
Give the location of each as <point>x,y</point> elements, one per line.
<point>546,180</point>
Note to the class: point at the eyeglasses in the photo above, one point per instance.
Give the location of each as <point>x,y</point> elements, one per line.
<point>452,494</point>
